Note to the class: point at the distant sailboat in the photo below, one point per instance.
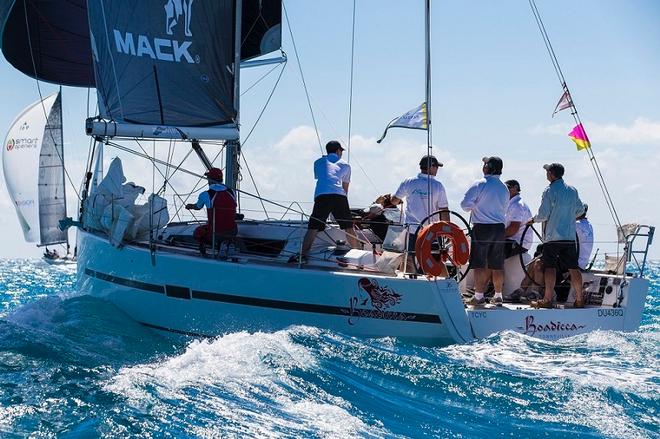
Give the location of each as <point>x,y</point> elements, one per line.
<point>33,166</point>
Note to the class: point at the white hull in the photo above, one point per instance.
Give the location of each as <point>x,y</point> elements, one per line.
<point>189,294</point>
<point>63,262</point>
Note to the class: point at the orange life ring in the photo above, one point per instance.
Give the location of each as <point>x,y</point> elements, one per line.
<point>460,249</point>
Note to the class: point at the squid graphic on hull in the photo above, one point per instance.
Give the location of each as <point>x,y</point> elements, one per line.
<point>381,297</point>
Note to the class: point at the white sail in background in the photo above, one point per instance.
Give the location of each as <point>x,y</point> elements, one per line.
<point>33,169</point>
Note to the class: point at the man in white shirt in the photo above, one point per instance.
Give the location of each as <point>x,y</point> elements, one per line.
<point>585,234</point>
<point>333,176</point>
<point>421,193</point>
<point>416,191</point>
<point>487,200</point>
<point>517,215</point>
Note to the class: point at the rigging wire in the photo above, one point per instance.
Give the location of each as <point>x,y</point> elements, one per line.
<point>261,79</point>
<point>261,200</point>
<point>334,129</point>
<point>199,180</point>
<point>270,96</point>
<point>36,78</point>
<point>350,99</point>
<point>263,109</point>
<point>302,76</point>
<point>574,112</point>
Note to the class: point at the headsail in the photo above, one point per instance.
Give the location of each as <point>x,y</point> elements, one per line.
<point>165,64</point>
<point>48,40</point>
<point>33,169</point>
<point>261,27</point>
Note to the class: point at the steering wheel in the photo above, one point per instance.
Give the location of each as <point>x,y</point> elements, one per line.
<point>520,255</point>
<point>456,271</point>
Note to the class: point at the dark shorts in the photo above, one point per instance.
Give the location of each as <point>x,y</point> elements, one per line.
<point>512,248</point>
<point>560,254</point>
<point>327,204</point>
<point>487,249</point>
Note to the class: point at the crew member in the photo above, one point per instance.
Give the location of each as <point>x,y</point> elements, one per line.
<point>333,176</point>
<point>220,204</point>
<point>560,206</point>
<point>517,215</point>
<point>585,235</point>
<point>487,200</point>
<point>421,193</point>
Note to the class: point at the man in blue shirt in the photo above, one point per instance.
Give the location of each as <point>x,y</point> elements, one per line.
<point>560,205</point>
<point>333,176</point>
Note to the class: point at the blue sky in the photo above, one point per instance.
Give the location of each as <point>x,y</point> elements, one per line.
<point>494,90</point>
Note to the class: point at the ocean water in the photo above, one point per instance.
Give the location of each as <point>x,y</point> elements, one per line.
<point>73,366</point>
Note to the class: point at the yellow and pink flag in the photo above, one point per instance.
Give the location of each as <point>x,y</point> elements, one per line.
<point>579,136</point>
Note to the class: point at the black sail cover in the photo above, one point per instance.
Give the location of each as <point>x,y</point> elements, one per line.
<point>164,63</point>
<point>54,34</point>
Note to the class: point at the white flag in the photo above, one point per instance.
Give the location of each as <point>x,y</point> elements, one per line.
<point>564,102</point>
<point>415,119</point>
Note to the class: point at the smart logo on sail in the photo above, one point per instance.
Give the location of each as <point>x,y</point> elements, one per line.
<point>178,14</point>
<point>13,144</point>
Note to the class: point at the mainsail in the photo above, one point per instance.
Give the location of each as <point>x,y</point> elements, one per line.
<point>50,39</point>
<point>168,69</point>
<point>32,160</point>
<point>168,65</point>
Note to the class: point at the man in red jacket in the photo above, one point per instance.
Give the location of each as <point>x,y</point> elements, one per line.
<point>220,204</point>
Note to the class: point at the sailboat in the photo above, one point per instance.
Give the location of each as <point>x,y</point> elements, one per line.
<point>173,72</point>
<point>33,165</point>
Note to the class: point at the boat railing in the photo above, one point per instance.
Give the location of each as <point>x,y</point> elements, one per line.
<point>638,239</point>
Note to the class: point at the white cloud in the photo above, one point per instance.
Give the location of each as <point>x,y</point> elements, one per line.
<point>283,172</point>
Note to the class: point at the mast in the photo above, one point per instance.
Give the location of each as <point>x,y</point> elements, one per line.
<point>63,170</point>
<point>233,147</point>
<point>427,34</point>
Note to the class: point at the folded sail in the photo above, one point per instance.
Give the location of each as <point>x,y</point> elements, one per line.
<point>33,169</point>
<point>164,63</point>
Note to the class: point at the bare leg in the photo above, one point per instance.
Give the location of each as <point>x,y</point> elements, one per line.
<point>576,282</point>
<point>550,276</point>
<point>498,280</point>
<point>351,238</point>
<point>538,275</point>
<point>531,269</point>
<point>310,236</point>
<point>481,277</point>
